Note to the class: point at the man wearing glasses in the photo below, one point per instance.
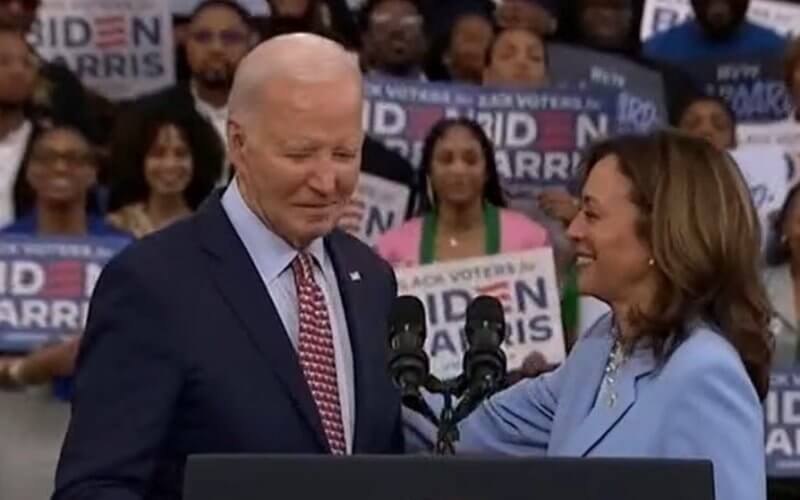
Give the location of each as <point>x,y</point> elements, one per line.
<point>219,35</point>
<point>394,39</point>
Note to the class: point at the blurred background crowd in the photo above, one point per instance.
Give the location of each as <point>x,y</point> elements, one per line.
<point>77,161</point>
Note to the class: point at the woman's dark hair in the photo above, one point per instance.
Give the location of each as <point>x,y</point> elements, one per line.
<point>492,192</point>
<point>24,196</point>
<point>778,251</point>
<point>130,147</point>
<point>699,222</point>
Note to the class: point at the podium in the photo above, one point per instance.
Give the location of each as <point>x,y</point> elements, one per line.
<point>415,477</point>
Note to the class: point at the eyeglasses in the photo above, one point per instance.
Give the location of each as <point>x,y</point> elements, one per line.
<point>227,38</point>
<point>29,5</point>
<point>406,21</point>
<point>50,157</point>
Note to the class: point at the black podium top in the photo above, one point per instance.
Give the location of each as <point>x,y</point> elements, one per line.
<point>292,477</point>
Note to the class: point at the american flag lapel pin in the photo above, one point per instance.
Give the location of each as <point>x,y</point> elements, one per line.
<point>355,276</point>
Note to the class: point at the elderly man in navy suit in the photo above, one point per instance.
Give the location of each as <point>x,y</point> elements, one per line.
<point>255,326</point>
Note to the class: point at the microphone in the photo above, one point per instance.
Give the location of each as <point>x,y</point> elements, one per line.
<point>408,363</point>
<point>484,362</point>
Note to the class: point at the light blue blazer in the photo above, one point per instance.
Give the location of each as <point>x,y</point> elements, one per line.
<point>699,404</point>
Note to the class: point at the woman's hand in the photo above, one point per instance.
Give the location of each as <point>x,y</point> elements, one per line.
<point>533,365</point>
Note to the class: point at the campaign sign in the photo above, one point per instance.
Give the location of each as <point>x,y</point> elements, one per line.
<point>119,48</point>
<point>45,286</point>
<point>782,134</point>
<point>782,411</point>
<point>753,87</point>
<point>524,283</point>
<point>766,170</point>
<point>377,206</point>
<point>642,104</point>
<point>538,134</point>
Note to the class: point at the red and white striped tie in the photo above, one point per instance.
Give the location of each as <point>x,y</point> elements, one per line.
<point>315,348</point>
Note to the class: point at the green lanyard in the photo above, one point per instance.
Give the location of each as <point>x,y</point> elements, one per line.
<point>491,227</point>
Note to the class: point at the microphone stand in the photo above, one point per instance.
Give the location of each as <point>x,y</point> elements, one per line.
<point>447,423</point>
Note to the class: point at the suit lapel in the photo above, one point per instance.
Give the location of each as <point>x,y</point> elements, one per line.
<point>241,287</point>
<point>598,419</point>
<point>353,284</point>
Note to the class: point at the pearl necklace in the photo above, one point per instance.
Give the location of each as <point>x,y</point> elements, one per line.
<point>616,358</point>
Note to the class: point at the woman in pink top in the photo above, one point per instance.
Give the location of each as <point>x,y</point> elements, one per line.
<point>462,206</point>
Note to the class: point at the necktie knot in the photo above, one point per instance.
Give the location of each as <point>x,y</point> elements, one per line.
<point>302,265</point>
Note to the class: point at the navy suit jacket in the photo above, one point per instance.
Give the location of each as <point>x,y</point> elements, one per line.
<point>185,353</point>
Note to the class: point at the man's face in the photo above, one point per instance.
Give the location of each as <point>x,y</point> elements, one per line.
<point>606,24</point>
<point>517,58</point>
<point>720,18</point>
<point>298,157</point>
<point>218,40</point>
<point>18,13</point>
<point>395,37</point>
<point>18,70</point>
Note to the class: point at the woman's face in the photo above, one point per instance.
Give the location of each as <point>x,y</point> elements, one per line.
<point>517,59</point>
<point>471,37</point>
<point>612,260</point>
<point>709,120</point>
<point>61,169</point>
<point>458,168</point>
<point>168,164</point>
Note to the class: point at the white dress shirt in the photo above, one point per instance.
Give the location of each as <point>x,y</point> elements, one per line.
<point>273,257</point>
<point>12,152</point>
<point>218,117</point>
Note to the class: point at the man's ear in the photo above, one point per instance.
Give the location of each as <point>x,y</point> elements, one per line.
<point>236,143</point>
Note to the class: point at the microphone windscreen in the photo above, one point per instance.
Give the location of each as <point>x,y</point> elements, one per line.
<point>485,308</point>
<point>407,310</point>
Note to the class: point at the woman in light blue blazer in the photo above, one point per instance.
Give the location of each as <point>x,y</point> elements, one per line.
<point>668,237</point>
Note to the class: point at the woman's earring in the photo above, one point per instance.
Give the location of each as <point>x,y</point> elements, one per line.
<point>651,262</point>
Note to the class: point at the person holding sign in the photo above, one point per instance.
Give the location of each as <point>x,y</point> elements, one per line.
<point>668,236</point>
<point>200,338</point>
<point>58,177</point>
<point>462,208</point>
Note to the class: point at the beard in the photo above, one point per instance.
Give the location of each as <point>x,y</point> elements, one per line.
<point>215,78</point>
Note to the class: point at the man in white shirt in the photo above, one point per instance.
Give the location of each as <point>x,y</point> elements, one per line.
<point>18,72</point>
<point>219,35</point>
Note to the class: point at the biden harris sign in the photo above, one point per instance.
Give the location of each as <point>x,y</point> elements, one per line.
<point>45,287</point>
